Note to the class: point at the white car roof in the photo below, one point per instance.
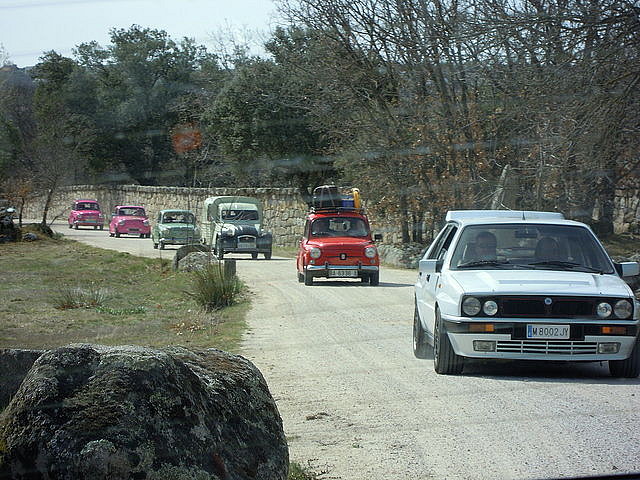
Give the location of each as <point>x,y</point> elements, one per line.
<point>238,206</point>
<point>483,217</point>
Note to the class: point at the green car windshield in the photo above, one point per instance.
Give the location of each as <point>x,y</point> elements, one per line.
<point>179,217</point>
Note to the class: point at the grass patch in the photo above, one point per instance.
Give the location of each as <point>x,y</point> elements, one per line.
<point>79,297</point>
<point>56,292</point>
<point>212,289</point>
<point>298,472</point>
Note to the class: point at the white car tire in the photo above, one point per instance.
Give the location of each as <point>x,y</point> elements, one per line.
<point>445,360</point>
<point>420,345</point>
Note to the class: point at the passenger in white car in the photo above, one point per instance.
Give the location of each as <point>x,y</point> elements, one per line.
<point>485,247</point>
<point>548,250</point>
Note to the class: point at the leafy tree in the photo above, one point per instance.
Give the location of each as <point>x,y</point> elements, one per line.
<point>142,79</point>
<point>267,136</point>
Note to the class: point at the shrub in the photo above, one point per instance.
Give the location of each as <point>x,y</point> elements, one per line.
<point>212,290</point>
<point>78,297</point>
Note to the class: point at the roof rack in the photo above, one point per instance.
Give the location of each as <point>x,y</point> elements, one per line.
<point>336,209</point>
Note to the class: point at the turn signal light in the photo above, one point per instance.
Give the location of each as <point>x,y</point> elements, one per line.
<point>614,330</point>
<point>481,327</point>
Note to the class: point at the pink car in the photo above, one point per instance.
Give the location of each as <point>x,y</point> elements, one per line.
<point>86,213</point>
<point>129,219</point>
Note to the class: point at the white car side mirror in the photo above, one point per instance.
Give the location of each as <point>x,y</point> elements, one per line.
<point>430,266</point>
<point>628,269</point>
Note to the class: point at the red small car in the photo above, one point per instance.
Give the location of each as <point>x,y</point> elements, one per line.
<point>131,220</point>
<point>86,213</point>
<point>337,243</point>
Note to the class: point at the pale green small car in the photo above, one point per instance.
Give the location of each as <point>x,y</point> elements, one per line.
<point>175,227</point>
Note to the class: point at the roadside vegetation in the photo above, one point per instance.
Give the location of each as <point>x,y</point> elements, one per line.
<point>57,292</point>
<point>298,472</point>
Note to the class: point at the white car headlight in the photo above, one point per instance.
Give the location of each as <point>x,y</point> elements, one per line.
<point>623,309</point>
<point>490,308</point>
<point>471,306</point>
<point>121,222</point>
<point>370,252</point>
<point>604,310</point>
<point>315,252</point>
<point>145,222</point>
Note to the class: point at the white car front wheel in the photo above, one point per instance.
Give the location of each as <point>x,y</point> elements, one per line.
<point>445,360</point>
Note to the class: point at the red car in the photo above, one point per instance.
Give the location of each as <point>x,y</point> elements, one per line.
<point>131,220</point>
<point>337,243</point>
<point>86,213</point>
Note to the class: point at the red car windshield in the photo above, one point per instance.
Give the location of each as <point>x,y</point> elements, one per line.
<point>137,212</point>
<point>87,206</point>
<point>339,227</point>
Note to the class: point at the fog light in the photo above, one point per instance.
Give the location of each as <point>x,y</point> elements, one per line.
<point>484,346</point>
<point>312,262</point>
<point>610,347</point>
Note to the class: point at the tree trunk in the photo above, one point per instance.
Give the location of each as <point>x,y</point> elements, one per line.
<point>47,205</point>
<point>404,216</point>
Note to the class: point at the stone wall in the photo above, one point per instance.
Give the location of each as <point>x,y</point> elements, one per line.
<point>627,211</point>
<point>284,209</point>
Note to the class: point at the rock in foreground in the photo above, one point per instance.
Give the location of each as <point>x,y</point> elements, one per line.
<point>97,412</point>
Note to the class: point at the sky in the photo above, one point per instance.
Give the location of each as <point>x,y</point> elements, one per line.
<point>30,27</point>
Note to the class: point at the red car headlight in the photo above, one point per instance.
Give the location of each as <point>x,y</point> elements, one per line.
<point>315,252</point>
<point>370,252</point>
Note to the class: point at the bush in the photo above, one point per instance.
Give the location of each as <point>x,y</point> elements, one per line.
<point>212,290</point>
<point>78,297</point>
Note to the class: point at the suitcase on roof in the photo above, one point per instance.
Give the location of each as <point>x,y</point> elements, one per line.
<point>326,196</point>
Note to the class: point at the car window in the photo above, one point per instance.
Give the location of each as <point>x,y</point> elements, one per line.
<point>131,212</point>
<point>339,227</point>
<point>87,206</point>
<point>447,242</point>
<point>531,245</point>
<point>239,215</point>
<point>440,239</point>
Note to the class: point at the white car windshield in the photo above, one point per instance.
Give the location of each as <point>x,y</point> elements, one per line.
<point>540,246</point>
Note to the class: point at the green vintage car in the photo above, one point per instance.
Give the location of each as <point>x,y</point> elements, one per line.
<point>175,227</point>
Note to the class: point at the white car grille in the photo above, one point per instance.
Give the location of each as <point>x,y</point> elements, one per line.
<point>547,347</point>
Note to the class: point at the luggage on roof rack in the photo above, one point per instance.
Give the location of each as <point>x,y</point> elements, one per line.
<point>326,196</point>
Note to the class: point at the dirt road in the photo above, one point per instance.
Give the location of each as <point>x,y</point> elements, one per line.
<point>357,404</point>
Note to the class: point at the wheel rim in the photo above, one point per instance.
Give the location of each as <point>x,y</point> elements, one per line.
<point>436,341</point>
<point>415,329</point>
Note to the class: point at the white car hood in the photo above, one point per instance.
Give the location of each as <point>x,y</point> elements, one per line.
<point>539,282</point>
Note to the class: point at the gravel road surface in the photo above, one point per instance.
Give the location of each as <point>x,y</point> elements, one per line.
<point>357,405</point>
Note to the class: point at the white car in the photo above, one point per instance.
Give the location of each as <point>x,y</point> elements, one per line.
<point>523,285</point>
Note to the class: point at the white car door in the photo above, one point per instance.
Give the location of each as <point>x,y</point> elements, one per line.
<point>426,285</point>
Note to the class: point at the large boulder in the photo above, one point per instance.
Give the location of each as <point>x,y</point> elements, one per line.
<point>185,250</point>
<point>195,261</point>
<point>14,366</point>
<point>97,412</point>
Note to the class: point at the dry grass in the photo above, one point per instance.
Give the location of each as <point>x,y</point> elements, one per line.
<point>56,292</point>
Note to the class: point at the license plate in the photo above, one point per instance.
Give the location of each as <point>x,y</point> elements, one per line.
<point>246,245</point>
<point>343,273</point>
<point>548,331</point>
<point>134,229</point>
